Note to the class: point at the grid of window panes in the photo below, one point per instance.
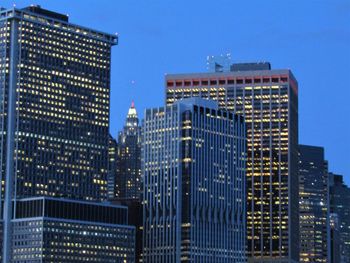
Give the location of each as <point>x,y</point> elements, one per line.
<point>62,107</point>
<point>269,103</point>
<point>51,240</point>
<point>194,176</point>
<point>313,183</point>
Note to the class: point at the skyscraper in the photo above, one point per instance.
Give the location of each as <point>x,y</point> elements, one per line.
<point>194,184</point>
<point>55,79</point>
<point>128,159</point>
<point>54,127</point>
<point>268,100</point>
<point>314,213</point>
<point>340,209</point>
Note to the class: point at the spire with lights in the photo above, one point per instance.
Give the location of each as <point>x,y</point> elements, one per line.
<point>132,111</point>
<point>132,120</point>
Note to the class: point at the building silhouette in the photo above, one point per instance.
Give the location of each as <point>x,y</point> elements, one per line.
<point>128,159</point>
<point>314,204</point>
<point>268,101</point>
<point>340,209</point>
<point>194,183</point>
<point>54,117</point>
<point>334,238</point>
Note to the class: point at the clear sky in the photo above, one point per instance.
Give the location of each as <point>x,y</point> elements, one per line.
<point>310,37</point>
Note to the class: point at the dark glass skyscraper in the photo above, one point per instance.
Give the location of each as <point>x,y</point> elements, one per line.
<point>268,101</point>
<point>340,209</point>
<point>55,85</point>
<point>194,184</point>
<point>54,127</point>
<point>314,213</point>
<point>128,160</point>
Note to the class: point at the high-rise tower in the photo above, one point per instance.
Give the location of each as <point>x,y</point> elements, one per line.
<point>268,101</point>
<point>314,208</point>
<point>55,85</point>
<point>128,158</point>
<point>54,127</point>
<point>194,184</point>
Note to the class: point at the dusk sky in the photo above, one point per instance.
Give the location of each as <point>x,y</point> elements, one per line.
<point>157,37</point>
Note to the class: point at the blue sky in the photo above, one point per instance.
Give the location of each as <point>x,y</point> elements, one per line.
<point>156,37</point>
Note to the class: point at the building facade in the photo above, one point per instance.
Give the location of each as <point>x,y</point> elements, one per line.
<point>135,218</point>
<point>268,101</point>
<point>340,209</point>
<point>334,238</point>
<point>54,139</point>
<point>128,160</point>
<point>55,85</point>
<point>314,204</point>
<point>48,230</point>
<point>194,184</point>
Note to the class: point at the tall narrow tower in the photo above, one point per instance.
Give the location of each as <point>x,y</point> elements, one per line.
<point>128,159</point>
<point>314,208</point>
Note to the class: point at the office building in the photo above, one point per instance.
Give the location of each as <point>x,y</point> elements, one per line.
<point>48,230</point>
<point>314,213</point>
<point>56,80</point>
<point>268,101</point>
<point>128,161</point>
<point>340,208</point>
<point>194,183</point>
<point>54,127</point>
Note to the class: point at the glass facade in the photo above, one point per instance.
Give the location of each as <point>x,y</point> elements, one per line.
<point>54,142</point>
<point>268,100</point>
<point>194,184</point>
<point>48,230</point>
<point>314,212</point>
<point>57,77</point>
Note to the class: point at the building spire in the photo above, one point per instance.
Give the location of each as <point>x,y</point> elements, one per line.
<point>132,110</point>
